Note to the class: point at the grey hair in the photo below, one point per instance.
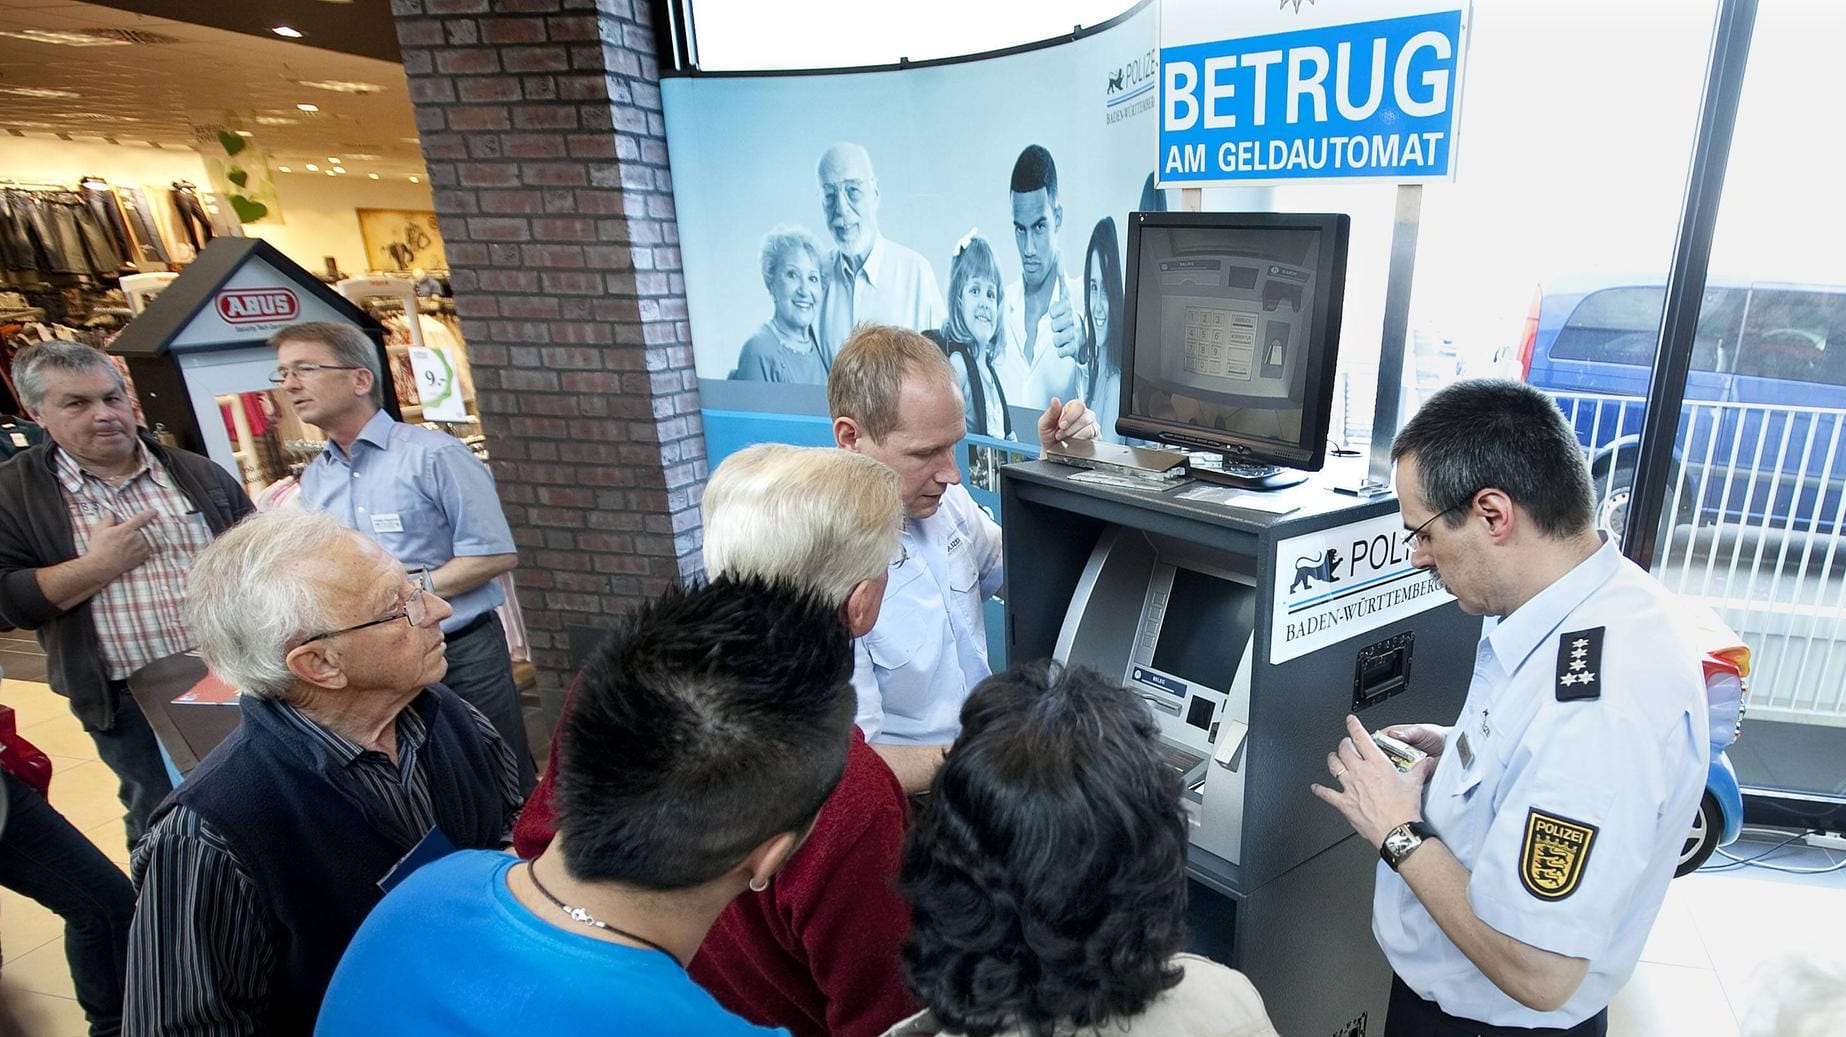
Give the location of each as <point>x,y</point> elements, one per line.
<point>823,518</point>
<point>784,239</point>
<point>56,355</point>
<point>253,593</point>
<point>351,348</point>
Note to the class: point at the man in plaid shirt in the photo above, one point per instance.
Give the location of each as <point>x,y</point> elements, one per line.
<point>98,528</point>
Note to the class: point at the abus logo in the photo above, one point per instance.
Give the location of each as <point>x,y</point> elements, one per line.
<point>258,306</point>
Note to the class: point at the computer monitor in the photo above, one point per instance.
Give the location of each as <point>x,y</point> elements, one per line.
<point>1233,322</point>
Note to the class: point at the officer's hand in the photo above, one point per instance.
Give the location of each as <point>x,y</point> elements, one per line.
<point>1066,335</point>
<point>1428,737</point>
<point>1374,796</point>
<point>121,545</point>
<point>1062,421</point>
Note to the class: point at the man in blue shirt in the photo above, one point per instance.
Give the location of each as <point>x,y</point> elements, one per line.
<point>422,495</point>
<point>705,735</point>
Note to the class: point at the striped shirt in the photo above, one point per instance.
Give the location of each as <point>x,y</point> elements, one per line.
<point>200,952</point>
<point>138,616</point>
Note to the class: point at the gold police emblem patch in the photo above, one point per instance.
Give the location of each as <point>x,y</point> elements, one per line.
<point>1555,853</point>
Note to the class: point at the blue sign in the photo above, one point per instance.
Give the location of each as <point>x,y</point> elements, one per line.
<point>1367,100</point>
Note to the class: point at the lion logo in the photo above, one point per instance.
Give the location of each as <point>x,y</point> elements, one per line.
<point>1309,569</point>
<point>1554,855</point>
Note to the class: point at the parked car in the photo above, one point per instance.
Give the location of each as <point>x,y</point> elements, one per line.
<point>1726,663</point>
<point>1761,433</point>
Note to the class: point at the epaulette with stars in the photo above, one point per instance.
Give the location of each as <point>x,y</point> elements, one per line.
<point>1580,665</point>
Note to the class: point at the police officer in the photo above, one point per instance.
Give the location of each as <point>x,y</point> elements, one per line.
<point>1525,860</point>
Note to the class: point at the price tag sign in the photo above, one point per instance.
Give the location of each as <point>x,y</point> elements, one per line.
<point>437,384</point>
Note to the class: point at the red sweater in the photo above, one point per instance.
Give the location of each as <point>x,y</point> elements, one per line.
<point>818,951</point>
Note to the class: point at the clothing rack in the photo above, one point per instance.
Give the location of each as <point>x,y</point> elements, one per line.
<point>399,290</point>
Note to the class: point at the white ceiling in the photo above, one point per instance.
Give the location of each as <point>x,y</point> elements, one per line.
<point>174,94</point>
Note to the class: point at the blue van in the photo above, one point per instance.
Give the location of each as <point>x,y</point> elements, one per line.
<point>1761,439</point>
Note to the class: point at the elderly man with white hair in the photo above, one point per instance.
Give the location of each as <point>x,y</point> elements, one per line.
<point>816,950</point>
<point>351,755</point>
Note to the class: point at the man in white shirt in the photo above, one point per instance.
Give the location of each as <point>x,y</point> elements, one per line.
<point>1043,331</point>
<point>894,398</point>
<point>870,279</point>
<point>1517,889</point>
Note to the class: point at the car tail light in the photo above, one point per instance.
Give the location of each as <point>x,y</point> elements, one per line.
<point>1529,340</point>
<point>1727,691</point>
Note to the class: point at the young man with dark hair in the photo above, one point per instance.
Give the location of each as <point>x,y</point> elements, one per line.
<point>1056,813</point>
<point>705,734</point>
<point>1518,888</point>
<point>1043,331</point>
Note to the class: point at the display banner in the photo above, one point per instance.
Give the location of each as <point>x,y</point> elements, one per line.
<point>982,202</point>
<point>1363,90</point>
<point>1344,581</point>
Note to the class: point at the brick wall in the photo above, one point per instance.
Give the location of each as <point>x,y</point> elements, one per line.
<point>541,124</point>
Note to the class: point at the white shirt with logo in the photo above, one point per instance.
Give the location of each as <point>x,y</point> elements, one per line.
<point>916,667</point>
<point>1569,814</point>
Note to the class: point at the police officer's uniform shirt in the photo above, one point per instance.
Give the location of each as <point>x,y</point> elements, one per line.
<point>916,667</point>
<point>1566,788</point>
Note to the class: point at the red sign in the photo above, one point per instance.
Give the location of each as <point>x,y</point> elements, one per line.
<point>258,306</point>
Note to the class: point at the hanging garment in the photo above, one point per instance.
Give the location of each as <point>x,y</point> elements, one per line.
<point>149,247</point>
<point>191,215</point>
<point>17,251</point>
<point>101,202</point>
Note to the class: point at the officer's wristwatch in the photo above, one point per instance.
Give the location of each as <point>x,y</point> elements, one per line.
<point>1403,840</point>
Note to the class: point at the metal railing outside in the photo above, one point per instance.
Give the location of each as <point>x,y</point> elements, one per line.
<point>1754,520</point>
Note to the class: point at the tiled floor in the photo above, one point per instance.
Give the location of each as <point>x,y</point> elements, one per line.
<point>1712,950</point>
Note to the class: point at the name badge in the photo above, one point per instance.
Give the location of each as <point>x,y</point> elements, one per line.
<point>387,523</point>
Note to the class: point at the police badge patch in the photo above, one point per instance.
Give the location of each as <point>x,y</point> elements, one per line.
<point>1580,665</point>
<point>1554,855</point>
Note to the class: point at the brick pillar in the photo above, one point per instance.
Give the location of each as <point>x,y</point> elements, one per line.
<point>541,124</point>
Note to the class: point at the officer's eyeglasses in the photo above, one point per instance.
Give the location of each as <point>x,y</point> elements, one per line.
<point>854,190</point>
<point>281,374</point>
<point>1417,538</point>
<point>412,608</point>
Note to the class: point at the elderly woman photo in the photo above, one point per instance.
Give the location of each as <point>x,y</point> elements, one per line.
<point>1046,874</point>
<point>787,348</point>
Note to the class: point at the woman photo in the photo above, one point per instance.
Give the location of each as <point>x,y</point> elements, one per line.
<point>971,336</point>
<point>1046,874</point>
<point>786,348</point>
<point>1102,348</point>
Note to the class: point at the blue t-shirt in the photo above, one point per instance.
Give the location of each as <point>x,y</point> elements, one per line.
<point>452,952</point>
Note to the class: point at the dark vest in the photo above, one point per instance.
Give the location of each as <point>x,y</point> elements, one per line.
<point>313,852</point>
<point>977,392</point>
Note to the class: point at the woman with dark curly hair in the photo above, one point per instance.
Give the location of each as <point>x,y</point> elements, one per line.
<point>1047,875</point>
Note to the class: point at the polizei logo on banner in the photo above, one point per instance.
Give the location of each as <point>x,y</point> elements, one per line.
<point>1130,90</point>
<point>1362,100</point>
<point>1344,581</point>
<point>258,306</point>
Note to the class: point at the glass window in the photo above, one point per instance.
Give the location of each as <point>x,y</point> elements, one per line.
<point>737,35</point>
<point>1798,335</point>
<point>1622,326</point>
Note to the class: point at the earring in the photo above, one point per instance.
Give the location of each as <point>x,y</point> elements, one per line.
<point>758,885</point>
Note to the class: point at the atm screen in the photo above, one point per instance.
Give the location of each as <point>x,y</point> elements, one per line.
<point>1207,624</point>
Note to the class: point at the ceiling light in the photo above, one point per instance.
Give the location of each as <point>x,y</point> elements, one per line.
<point>329,172</point>
<point>245,133</point>
<point>415,180</point>
<point>373,176</point>
<point>312,168</point>
<point>38,91</point>
<point>333,161</point>
<point>339,169</point>
<point>285,169</point>
<point>68,39</point>
<point>289,31</point>
<point>308,107</point>
<point>342,86</point>
<point>363,156</point>
<point>275,120</point>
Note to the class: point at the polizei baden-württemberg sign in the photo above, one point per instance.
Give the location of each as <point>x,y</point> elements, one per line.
<point>1344,581</point>
<point>1368,100</point>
